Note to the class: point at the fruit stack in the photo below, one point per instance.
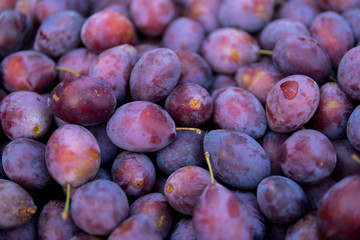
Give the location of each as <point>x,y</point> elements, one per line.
<point>180,119</point>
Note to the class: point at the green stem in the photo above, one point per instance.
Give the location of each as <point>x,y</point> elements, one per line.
<point>66,69</point>
<point>355,158</point>
<point>65,213</point>
<point>266,52</point>
<point>333,79</point>
<point>207,157</point>
<point>198,131</point>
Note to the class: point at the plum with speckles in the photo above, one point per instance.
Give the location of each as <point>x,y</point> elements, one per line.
<point>82,100</point>
<point>236,158</point>
<point>23,160</point>
<point>281,199</point>
<point>227,49</point>
<point>59,33</point>
<point>154,75</point>
<point>218,205</point>
<point>72,155</point>
<point>16,205</point>
<point>308,156</point>
<point>237,109</point>
<point>348,74</point>
<point>190,105</point>
<point>25,114</point>
<point>106,29</point>
<point>291,103</point>
<point>301,54</point>
<point>137,227</point>
<point>134,173</point>
<point>141,126</point>
<point>27,70</point>
<point>52,225</point>
<point>99,206</point>
<point>184,187</point>
<point>333,112</point>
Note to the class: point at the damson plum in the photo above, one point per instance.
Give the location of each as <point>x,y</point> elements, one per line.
<point>43,9</point>
<point>154,206</point>
<point>338,5</point>
<point>299,10</point>
<point>222,80</point>
<point>250,16</point>
<point>218,205</point>
<point>194,69</point>
<point>106,29</point>
<point>72,155</point>
<point>333,112</point>
<point>59,33</point>
<point>236,158</point>
<point>352,16</point>
<point>151,18</point>
<point>205,12</point>
<point>99,206</point>
<point>278,29</point>
<point>26,231</point>
<point>184,187</point>
<point>258,223</point>
<point>141,126</point>
<point>24,163</point>
<point>314,193</point>
<point>27,70</point>
<point>307,156</point>
<point>15,29</point>
<point>338,216</point>
<point>183,230</point>
<point>78,59</point>
<point>114,66</point>
<point>348,73</point>
<point>82,100</point>
<point>51,225</point>
<point>352,129</point>
<point>305,228</point>
<point>334,34</point>
<point>227,49</point>
<point>155,75</point>
<point>137,227</point>
<point>272,143</point>
<point>237,109</point>
<point>134,173</point>
<point>281,199</point>
<point>346,159</point>
<point>291,103</point>
<point>185,150</point>
<point>257,78</point>
<point>16,205</point>
<point>300,54</point>
<point>190,105</point>
<point>184,34</point>
<point>25,114</point>
<point>107,149</point>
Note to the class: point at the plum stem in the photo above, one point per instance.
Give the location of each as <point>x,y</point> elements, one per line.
<point>198,131</point>
<point>65,213</point>
<point>333,79</point>
<point>207,157</point>
<point>266,52</point>
<point>355,158</point>
<point>66,69</point>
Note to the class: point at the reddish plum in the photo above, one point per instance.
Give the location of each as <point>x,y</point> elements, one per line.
<point>141,126</point>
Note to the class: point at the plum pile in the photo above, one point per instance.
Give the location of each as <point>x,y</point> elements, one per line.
<point>179,119</point>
